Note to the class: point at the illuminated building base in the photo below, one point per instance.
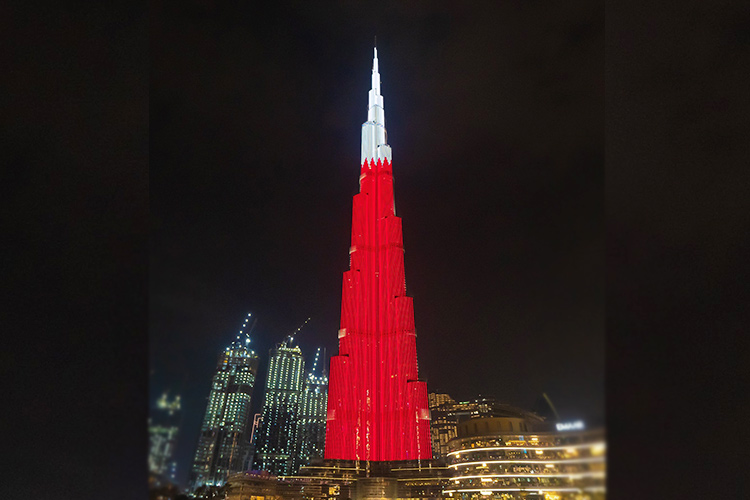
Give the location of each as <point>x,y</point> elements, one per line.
<point>359,480</point>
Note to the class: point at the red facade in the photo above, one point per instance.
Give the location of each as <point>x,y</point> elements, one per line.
<point>377,409</point>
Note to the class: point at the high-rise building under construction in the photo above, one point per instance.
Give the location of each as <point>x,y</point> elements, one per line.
<point>223,445</point>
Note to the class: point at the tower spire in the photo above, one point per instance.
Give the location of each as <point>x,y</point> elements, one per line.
<point>374,137</point>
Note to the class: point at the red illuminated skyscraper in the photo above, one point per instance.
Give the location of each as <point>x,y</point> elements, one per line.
<point>377,407</point>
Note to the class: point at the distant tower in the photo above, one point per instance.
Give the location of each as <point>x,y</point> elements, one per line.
<point>436,399</point>
<point>163,426</point>
<point>443,423</point>
<point>311,428</point>
<point>277,442</point>
<point>377,406</point>
<point>225,434</point>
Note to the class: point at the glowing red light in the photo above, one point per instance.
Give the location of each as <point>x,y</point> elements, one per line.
<point>377,409</point>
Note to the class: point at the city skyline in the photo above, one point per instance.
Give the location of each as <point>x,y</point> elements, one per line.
<point>499,177</point>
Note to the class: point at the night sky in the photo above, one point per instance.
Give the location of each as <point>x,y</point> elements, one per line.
<point>495,117</point>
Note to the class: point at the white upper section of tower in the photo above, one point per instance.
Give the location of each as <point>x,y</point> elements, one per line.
<point>374,136</point>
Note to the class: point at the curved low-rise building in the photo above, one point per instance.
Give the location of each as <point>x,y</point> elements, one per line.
<point>513,457</point>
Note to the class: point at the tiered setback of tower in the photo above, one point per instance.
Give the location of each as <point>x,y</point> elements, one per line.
<point>377,407</point>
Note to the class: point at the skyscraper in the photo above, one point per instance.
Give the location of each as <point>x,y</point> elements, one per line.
<point>377,406</point>
<point>223,442</point>
<point>163,426</point>
<point>277,446</point>
<point>442,423</point>
<point>311,427</point>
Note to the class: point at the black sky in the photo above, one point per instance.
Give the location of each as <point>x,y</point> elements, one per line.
<point>495,117</point>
